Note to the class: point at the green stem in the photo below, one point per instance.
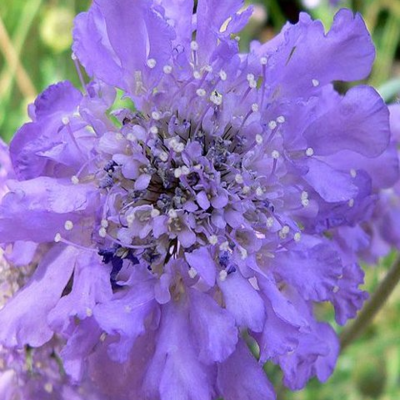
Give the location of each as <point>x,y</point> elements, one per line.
<point>373,306</point>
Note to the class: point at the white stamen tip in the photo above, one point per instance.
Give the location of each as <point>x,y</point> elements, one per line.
<point>224,246</point>
<point>250,77</point>
<point>297,237</point>
<point>243,253</point>
<point>131,137</point>
<point>253,84</point>
<point>155,115</point>
<point>259,191</point>
<point>208,68</point>
<point>57,238</point>
<point>151,63</point>
<point>104,223</point>
<point>194,46</point>
<point>74,180</point>
<point>353,173</point>
<point>263,60</point>
<point>200,92</point>
<point>196,75</point>
<point>89,312</point>
<point>259,139</point>
<point>272,125</point>
<point>275,154</point>
<point>213,239</point>
<point>336,289</point>
<point>48,387</point>
<point>309,152</point>
<point>163,156</point>
<point>167,69</point>
<point>65,120</point>
<point>216,98</point>
<point>239,178</point>
<point>154,213</point>
<point>246,189</point>
<point>281,119</point>
<point>351,203</point>
<point>222,75</point>
<point>119,136</point>
<point>68,225</point>
<point>172,213</point>
<point>154,130</point>
<point>270,222</point>
<point>305,202</point>
<point>254,107</point>
<point>223,275</point>
<point>102,232</point>
<point>178,173</point>
<point>315,82</point>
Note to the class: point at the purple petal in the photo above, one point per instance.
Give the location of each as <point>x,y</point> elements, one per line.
<point>24,318</point>
<point>243,302</point>
<point>203,263</point>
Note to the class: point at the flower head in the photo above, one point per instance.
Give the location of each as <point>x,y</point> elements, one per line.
<point>210,210</point>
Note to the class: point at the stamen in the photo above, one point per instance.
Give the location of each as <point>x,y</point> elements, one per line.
<point>167,69</point>
<point>151,63</point>
<point>309,152</point>
<point>68,225</point>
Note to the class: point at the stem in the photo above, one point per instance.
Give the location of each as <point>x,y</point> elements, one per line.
<point>372,307</point>
<point>6,46</point>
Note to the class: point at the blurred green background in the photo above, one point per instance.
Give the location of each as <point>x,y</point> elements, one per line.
<point>35,39</point>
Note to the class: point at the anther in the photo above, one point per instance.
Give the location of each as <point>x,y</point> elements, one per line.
<point>68,225</point>
<point>74,179</point>
<point>315,82</point>
<point>154,130</point>
<point>275,154</point>
<point>281,119</point>
<point>200,92</point>
<point>167,69</point>
<point>213,239</point>
<point>239,178</point>
<point>309,152</point>
<point>154,213</point>
<point>151,63</point>
<point>155,115</point>
<point>270,222</point>
<point>223,275</point>
<point>259,139</point>
<point>272,125</point>
<point>163,156</point>
<point>102,232</point>
<point>222,75</point>
<point>172,213</point>
<point>57,238</point>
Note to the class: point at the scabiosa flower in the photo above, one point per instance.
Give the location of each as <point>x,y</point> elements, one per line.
<point>205,214</point>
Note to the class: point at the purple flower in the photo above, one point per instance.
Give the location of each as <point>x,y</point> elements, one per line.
<point>209,210</point>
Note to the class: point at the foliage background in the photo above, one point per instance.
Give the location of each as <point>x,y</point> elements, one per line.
<point>35,39</point>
